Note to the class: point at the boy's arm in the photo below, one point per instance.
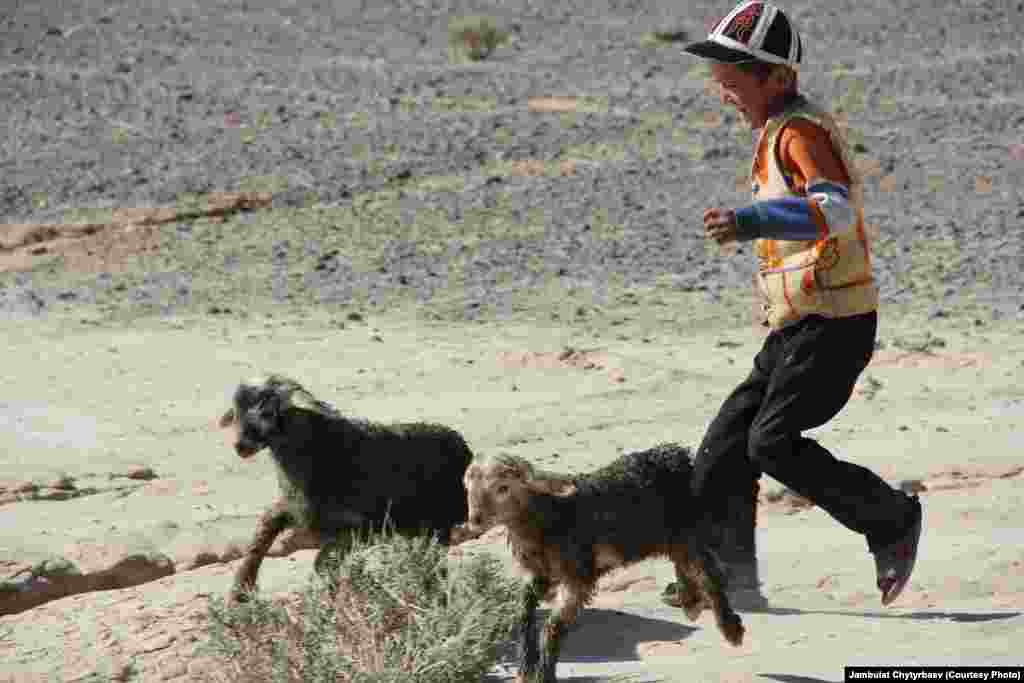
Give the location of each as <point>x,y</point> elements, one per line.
<point>807,156</point>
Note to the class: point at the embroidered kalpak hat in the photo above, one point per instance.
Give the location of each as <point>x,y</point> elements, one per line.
<point>752,31</point>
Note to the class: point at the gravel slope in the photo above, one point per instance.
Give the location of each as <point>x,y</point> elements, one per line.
<point>357,110</point>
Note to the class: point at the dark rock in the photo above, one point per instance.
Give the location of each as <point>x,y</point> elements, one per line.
<point>912,486</point>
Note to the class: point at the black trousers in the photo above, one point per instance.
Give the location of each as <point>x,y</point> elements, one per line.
<point>802,377</point>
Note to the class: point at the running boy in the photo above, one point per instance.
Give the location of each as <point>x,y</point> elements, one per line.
<point>819,301</point>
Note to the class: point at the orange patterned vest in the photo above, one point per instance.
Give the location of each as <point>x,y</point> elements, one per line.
<point>831,276</point>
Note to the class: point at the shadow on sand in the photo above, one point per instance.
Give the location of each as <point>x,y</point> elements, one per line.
<point>955,617</point>
<point>603,635</point>
<point>793,678</point>
<point>611,635</point>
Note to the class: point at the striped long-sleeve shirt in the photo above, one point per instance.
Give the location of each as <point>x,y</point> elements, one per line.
<point>816,172</point>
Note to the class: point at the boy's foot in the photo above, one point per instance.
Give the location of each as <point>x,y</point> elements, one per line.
<point>895,562</point>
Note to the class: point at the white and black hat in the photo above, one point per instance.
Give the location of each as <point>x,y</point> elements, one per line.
<point>752,31</point>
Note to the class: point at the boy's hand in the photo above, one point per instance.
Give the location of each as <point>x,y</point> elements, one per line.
<point>720,225</point>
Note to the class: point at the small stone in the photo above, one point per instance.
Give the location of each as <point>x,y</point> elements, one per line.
<point>63,483</point>
<point>142,472</point>
<point>172,666</point>
<point>912,486</point>
<point>158,642</point>
<point>904,428</point>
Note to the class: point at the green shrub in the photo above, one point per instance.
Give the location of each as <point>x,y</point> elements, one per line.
<point>474,37</point>
<point>403,612</point>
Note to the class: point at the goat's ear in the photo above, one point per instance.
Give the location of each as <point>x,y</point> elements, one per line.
<point>300,399</point>
<point>553,487</point>
<point>227,419</point>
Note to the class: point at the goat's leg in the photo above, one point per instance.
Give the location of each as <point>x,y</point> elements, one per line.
<point>526,630</point>
<point>688,596</point>
<point>556,627</point>
<point>709,576</point>
<point>272,522</point>
<point>333,549</point>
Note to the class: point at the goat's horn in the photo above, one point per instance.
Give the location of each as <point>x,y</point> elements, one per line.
<point>300,399</point>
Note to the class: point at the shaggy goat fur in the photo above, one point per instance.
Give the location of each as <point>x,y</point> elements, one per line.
<point>340,475</point>
<point>569,531</point>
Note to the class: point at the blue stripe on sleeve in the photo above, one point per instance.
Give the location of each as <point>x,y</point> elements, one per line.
<point>791,218</point>
<point>778,219</point>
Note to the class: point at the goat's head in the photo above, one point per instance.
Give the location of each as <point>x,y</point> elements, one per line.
<point>498,489</point>
<point>257,409</point>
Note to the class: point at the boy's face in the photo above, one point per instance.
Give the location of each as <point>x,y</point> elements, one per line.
<point>745,91</point>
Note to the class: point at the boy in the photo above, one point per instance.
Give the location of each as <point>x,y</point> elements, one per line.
<point>819,301</point>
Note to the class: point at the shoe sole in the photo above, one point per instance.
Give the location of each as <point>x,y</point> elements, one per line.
<point>897,588</point>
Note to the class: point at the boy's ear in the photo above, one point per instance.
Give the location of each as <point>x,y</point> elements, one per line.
<point>783,77</point>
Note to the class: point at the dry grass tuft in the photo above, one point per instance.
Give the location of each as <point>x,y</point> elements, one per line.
<point>403,612</point>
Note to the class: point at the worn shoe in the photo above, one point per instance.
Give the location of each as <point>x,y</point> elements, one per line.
<point>895,562</point>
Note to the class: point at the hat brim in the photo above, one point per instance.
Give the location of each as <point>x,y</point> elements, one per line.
<point>708,49</point>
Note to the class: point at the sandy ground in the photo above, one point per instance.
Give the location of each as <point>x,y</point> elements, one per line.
<point>118,400</point>
<point>511,247</point>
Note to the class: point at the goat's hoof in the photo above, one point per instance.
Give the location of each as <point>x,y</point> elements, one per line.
<point>536,676</point>
<point>733,631</point>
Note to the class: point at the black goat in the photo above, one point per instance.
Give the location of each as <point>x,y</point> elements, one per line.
<point>340,475</point>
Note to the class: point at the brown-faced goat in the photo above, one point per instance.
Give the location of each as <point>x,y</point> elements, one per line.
<point>568,533</point>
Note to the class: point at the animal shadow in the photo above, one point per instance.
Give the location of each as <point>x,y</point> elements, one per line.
<point>602,635</point>
<point>608,635</point>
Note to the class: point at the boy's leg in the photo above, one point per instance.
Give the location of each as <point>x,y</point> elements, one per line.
<point>725,481</point>
<point>725,488</point>
<point>811,383</point>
